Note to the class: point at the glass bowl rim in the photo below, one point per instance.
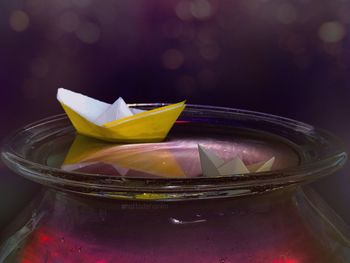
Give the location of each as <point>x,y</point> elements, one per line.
<point>293,175</point>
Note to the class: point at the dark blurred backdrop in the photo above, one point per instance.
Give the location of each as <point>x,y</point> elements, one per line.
<point>285,57</point>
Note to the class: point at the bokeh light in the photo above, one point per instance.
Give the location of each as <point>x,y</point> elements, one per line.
<point>288,58</point>
<point>82,3</point>
<point>69,21</point>
<point>35,7</point>
<point>201,9</point>
<point>172,59</point>
<point>331,32</point>
<point>183,10</point>
<point>286,13</point>
<point>210,51</point>
<point>88,33</point>
<point>19,20</point>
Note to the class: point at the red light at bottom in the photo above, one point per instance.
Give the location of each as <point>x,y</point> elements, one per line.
<point>285,260</point>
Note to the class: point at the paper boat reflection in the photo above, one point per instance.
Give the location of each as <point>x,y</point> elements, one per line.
<point>117,122</point>
<point>155,159</point>
<point>213,165</point>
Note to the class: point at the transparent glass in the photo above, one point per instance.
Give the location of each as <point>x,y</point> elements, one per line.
<point>279,227</point>
<point>316,154</point>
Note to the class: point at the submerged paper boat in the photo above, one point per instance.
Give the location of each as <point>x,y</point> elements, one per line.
<point>146,158</point>
<point>118,122</point>
<point>213,165</point>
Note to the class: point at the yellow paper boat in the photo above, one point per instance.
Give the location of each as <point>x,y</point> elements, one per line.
<point>213,165</point>
<point>154,159</point>
<point>117,122</point>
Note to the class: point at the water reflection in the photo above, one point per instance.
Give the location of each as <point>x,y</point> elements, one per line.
<point>91,155</point>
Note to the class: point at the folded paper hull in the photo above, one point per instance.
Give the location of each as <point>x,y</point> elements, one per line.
<point>148,126</point>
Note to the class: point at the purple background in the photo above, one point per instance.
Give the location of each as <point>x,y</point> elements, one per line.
<point>290,58</point>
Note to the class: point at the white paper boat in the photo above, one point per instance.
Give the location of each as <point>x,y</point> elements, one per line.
<point>117,121</point>
<point>213,165</point>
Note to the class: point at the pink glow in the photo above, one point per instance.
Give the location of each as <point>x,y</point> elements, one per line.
<point>285,260</point>
<point>43,238</point>
<point>56,246</point>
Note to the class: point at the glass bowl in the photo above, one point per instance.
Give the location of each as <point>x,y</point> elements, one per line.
<point>271,228</point>
<point>304,154</point>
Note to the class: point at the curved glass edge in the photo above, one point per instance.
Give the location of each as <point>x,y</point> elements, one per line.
<point>181,188</point>
<point>324,223</point>
<point>170,189</point>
